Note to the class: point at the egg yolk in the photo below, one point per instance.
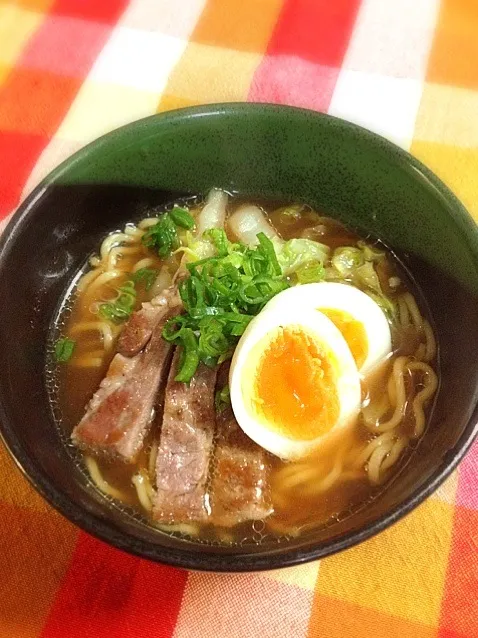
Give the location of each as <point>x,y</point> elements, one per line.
<point>352,331</point>
<point>294,388</point>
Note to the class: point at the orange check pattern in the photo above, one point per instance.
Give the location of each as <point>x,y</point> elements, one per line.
<point>71,70</point>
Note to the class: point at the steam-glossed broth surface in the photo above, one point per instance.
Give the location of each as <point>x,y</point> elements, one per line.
<point>305,493</point>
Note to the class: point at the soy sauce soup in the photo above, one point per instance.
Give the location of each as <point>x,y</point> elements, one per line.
<point>302,494</point>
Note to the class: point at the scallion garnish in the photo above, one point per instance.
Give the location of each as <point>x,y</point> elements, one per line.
<point>268,250</point>
<point>189,357</point>
<point>163,236</point>
<point>146,275</point>
<point>121,308</point>
<point>182,217</point>
<point>64,349</point>
<point>219,239</point>
<point>221,296</point>
<point>222,399</point>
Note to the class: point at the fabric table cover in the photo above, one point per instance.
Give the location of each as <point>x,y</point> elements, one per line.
<point>71,70</point>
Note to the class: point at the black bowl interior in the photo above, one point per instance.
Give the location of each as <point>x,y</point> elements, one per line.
<point>58,226</point>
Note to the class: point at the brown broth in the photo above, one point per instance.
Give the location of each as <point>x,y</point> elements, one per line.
<point>294,510</point>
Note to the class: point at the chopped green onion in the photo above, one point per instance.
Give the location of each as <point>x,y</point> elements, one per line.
<point>120,309</point>
<point>173,327</point>
<point>182,217</point>
<point>219,239</point>
<point>310,273</point>
<point>163,236</point>
<point>64,349</point>
<point>220,297</point>
<point>225,356</point>
<point>148,275</point>
<point>189,360</point>
<point>261,289</point>
<point>192,291</point>
<point>212,340</point>
<point>222,399</point>
<point>269,252</point>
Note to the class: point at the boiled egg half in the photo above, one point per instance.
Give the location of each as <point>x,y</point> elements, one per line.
<point>293,380</point>
<point>296,371</point>
<point>358,317</point>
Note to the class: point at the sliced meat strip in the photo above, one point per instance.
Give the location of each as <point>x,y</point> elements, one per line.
<point>240,482</point>
<point>185,447</point>
<point>139,328</point>
<point>119,415</point>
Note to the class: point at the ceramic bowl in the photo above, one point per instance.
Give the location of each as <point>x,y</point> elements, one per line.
<point>255,150</point>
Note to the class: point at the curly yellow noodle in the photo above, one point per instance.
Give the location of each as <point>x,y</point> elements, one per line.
<point>91,360</point>
<point>412,306</point>
<point>369,449</point>
<point>103,279</point>
<point>181,528</point>
<point>404,315</point>
<point>117,253</point>
<point>398,447</point>
<point>97,478</point>
<point>104,328</point>
<point>399,412</point>
<point>303,476</point>
<point>420,352</point>
<point>375,461</point>
<point>86,279</point>
<point>431,345</point>
<point>382,416</point>
<point>373,412</point>
<point>144,490</point>
<point>143,263</point>
<point>284,528</point>
<point>431,384</point>
<point>144,224</point>
<point>326,483</point>
<point>133,231</point>
<point>290,469</point>
<point>392,391</point>
<point>113,240</point>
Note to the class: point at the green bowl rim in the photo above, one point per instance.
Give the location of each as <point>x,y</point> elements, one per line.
<point>280,556</point>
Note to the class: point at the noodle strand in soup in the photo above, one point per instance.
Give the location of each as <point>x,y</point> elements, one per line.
<point>311,491</point>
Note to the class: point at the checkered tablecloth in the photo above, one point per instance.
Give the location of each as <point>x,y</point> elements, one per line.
<point>71,70</point>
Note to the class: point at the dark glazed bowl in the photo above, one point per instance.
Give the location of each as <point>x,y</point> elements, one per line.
<point>261,150</point>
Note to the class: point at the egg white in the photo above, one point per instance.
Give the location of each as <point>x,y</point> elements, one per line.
<point>245,362</point>
<point>347,299</point>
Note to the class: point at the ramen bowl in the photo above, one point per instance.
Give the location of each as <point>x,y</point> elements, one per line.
<point>265,151</point>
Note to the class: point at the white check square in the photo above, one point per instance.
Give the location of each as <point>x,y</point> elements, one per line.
<point>393,37</point>
<point>138,59</point>
<point>388,106</point>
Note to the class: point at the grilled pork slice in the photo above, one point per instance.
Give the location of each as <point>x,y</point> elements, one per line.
<point>119,415</point>
<point>240,482</point>
<point>185,447</point>
<point>139,328</point>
